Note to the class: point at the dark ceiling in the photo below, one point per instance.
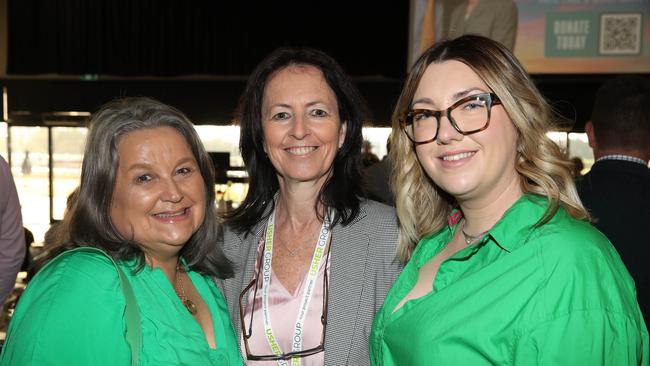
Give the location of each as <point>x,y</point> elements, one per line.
<point>196,54</point>
<point>175,38</point>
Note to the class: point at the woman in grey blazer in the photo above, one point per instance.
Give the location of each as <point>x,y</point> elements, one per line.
<point>313,261</point>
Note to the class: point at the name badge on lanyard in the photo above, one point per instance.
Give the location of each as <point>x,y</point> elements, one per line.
<point>312,274</point>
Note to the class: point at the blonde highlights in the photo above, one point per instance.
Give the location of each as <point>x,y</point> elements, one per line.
<point>422,207</point>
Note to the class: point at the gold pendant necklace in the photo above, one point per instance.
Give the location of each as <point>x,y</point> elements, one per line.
<point>469,239</point>
<point>189,304</point>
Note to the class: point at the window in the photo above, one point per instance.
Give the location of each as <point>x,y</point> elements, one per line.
<point>67,154</point>
<point>30,168</point>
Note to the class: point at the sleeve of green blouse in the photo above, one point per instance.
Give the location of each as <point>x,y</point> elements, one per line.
<point>70,314</point>
<point>585,338</point>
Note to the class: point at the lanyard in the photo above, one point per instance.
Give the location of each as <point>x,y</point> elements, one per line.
<point>312,273</point>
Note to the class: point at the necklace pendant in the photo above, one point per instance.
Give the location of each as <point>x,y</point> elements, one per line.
<point>190,305</point>
<point>292,253</point>
<point>470,239</point>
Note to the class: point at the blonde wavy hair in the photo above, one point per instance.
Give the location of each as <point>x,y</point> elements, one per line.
<point>422,207</point>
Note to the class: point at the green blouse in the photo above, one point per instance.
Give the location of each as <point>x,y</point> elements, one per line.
<point>557,294</point>
<point>72,314</point>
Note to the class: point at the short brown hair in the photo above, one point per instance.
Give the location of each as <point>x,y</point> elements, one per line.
<point>621,113</point>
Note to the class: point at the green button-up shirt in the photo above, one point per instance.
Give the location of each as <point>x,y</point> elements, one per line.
<point>72,314</point>
<point>557,294</point>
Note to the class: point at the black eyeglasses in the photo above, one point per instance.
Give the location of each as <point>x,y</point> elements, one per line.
<point>467,116</point>
<point>248,332</point>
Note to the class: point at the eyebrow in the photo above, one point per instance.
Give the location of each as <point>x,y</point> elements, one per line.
<point>187,159</point>
<point>456,96</point>
<point>310,104</point>
<point>282,105</point>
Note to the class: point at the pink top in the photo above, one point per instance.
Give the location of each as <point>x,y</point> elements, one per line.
<point>284,312</point>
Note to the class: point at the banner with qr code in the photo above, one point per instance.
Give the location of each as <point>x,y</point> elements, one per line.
<point>584,36</point>
<point>620,34</point>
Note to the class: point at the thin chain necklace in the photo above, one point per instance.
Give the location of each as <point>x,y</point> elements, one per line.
<point>297,250</point>
<point>189,304</point>
<point>292,253</point>
<point>469,239</point>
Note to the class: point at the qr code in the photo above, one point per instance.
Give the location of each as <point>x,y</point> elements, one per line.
<point>620,34</point>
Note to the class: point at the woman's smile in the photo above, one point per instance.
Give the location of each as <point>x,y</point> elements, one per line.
<point>301,150</point>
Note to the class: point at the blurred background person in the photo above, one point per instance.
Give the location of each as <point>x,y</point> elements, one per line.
<point>507,268</point>
<point>26,166</point>
<point>54,236</point>
<point>57,232</point>
<point>313,259</point>
<point>377,179</point>
<point>12,236</point>
<point>146,199</point>
<point>578,167</point>
<point>368,158</point>
<point>495,19</point>
<point>616,191</point>
<point>28,261</point>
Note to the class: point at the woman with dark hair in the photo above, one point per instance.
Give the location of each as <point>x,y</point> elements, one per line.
<point>133,283</point>
<point>503,267</point>
<point>313,259</point>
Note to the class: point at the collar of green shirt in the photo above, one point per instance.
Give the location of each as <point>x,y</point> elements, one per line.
<point>517,223</point>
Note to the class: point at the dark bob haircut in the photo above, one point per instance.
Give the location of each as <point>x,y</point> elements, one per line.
<point>88,221</point>
<point>342,191</point>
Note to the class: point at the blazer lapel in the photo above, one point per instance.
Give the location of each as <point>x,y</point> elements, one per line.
<point>349,248</point>
<point>247,255</point>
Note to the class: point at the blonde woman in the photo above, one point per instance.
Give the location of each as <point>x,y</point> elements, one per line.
<point>507,268</point>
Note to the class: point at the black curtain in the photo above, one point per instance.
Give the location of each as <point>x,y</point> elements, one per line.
<point>171,38</point>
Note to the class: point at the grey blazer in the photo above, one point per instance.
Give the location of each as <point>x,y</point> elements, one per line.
<point>362,269</point>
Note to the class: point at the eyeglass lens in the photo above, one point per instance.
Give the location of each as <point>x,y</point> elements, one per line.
<point>468,115</point>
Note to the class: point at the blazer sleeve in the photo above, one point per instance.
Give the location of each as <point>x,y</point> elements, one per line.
<point>383,236</point>
<point>70,314</point>
<point>12,236</point>
<point>362,269</point>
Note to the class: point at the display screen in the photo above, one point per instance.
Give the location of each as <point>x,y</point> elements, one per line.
<point>550,36</point>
